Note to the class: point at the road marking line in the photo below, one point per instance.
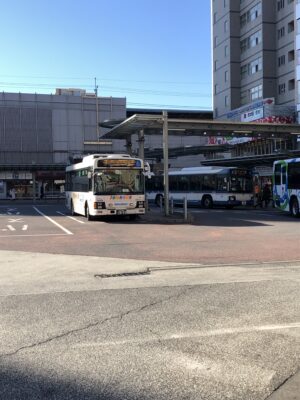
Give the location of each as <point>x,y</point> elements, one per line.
<point>68,216</point>
<point>11,228</point>
<point>215,332</point>
<point>37,235</point>
<point>25,227</point>
<point>53,222</point>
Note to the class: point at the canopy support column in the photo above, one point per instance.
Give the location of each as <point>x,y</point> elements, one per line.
<point>166,162</point>
<point>141,142</point>
<point>129,145</point>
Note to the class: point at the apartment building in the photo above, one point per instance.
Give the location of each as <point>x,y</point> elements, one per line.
<point>256,51</point>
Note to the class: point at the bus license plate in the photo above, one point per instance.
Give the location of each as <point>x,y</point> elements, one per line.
<point>243,203</point>
<point>120,212</point>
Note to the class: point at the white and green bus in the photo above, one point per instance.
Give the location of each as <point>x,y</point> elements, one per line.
<point>106,184</point>
<point>286,185</point>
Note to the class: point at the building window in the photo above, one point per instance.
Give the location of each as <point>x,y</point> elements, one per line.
<point>215,41</point>
<point>251,41</point>
<point>251,14</point>
<point>215,17</point>
<point>255,39</point>
<point>298,57</point>
<point>291,27</point>
<point>225,50</point>
<point>280,4</point>
<point>244,71</point>
<point>281,88</point>
<point>256,92</point>
<point>244,97</point>
<point>243,20</point>
<point>244,45</point>
<point>216,88</point>
<point>254,12</point>
<point>226,26</point>
<point>255,66</point>
<point>216,64</point>
<point>280,32</point>
<point>226,76</point>
<point>298,25</point>
<point>291,55</point>
<point>291,84</point>
<point>226,101</point>
<point>281,60</point>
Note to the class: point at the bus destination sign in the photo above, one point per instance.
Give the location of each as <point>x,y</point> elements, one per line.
<point>115,163</point>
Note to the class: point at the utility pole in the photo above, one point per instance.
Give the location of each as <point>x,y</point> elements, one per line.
<point>97,110</point>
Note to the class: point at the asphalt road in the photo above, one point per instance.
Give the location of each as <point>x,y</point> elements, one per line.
<point>216,236</point>
<point>195,329</point>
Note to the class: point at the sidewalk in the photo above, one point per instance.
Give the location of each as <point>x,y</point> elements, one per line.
<point>290,390</point>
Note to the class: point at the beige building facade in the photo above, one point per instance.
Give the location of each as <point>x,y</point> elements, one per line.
<point>254,56</point>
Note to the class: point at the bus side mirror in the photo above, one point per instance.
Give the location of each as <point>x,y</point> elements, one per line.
<point>147,172</point>
<point>89,175</point>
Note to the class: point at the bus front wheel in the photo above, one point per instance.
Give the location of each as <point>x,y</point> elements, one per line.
<point>72,209</point>
<point>294,207</point>
<point>87,213</point>
<point>207,202</point>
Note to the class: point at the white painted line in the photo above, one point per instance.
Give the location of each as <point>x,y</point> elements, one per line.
<point>25,227</point>
<point>215,332</point>
<point>53,222</point>
<point>68,216</point>
<point>37,235</point>
<point>11,228</point>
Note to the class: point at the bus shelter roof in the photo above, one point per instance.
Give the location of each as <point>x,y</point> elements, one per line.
<point>153,125</point>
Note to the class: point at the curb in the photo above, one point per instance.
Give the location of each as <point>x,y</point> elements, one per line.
<point>289,390</point>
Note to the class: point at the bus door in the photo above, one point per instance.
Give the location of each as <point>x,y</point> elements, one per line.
<point>280,181</point>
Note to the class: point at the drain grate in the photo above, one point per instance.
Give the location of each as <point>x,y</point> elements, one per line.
<point>147,272</point>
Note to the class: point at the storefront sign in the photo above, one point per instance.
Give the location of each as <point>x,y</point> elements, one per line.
<point>252,115</point>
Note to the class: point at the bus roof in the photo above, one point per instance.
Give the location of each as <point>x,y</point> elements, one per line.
<point>202,170</point>
<point>89,161</point>
<point>289,160</point>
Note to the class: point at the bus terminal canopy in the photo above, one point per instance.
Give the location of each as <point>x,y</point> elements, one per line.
<point>153,125</point>
<point>144,124</point>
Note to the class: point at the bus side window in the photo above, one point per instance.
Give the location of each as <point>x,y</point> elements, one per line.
<point>183,183</point>
<point>283,175</point>
<point>278,174</point>
<point>173,183</point>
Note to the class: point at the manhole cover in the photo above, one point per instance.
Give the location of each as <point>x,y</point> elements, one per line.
<point>147,272</point>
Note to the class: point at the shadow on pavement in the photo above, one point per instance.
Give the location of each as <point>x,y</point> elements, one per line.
<point>16,384</point>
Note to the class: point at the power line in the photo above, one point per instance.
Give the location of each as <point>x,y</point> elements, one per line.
<point>114,89</point>
<point>109,79</point>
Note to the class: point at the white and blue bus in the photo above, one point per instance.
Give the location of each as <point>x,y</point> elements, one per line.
<point>205,186</point>
<point>106,184</point>
<point>286,185</point>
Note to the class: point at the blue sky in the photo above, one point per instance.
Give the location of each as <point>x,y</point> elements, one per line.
<point>156,53</point>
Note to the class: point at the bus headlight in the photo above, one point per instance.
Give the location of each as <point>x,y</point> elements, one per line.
<point>140,204</point>
<point>98,205</point>
<point>231,198</point>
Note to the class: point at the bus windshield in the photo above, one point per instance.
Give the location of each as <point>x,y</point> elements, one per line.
<point>110,181</point>
<point>240,184</point>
